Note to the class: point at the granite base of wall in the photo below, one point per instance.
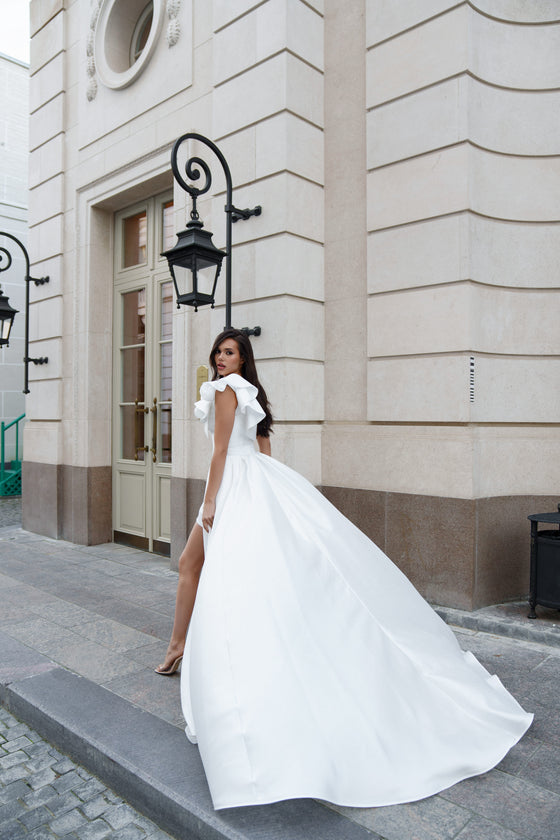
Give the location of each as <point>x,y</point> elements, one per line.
<point>463,553</point>
<point>69,503</point>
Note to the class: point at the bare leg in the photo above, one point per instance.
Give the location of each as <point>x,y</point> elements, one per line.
<point>190,567</point>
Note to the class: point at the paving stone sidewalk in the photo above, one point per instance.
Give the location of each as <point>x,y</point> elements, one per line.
<point>105,612</point>
<point>10,511</point>
<point>44,795</point>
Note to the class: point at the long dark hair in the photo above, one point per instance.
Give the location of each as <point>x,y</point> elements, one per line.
<point>248,371</point>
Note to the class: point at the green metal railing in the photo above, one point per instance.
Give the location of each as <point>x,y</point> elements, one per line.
<point>10,480</point>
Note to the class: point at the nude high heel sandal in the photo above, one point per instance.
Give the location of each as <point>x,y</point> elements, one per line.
<point>175,665</point>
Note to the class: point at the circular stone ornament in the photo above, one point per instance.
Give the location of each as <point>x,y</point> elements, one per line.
<point>114,31</point>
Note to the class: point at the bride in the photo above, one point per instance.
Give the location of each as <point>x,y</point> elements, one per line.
<point>299,677</point>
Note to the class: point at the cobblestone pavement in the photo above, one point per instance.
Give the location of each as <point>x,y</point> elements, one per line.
<point>10,511</point>
<point>46,796</point>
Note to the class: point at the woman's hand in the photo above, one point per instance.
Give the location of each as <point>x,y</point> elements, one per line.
<point>208,514</point>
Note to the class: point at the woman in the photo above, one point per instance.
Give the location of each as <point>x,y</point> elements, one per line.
<point>299,678</point>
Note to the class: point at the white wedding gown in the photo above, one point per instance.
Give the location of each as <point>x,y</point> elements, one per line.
<point>312,666</point>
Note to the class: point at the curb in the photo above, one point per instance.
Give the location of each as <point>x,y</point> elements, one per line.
<point>502,626</point>
<point>150,762</point>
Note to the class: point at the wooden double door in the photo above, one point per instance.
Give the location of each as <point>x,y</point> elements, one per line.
<point>143,376</point>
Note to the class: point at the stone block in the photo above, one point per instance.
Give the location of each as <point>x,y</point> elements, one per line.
<point>43,442</point>
<point>53,269</point>
<point>513,121</point>
<point>235,45</point>
<point>516,460</point>
<point>46,161</point>
<point>46,122</point>
<point>265,30</point>
<point>46,200</point>
<point>423,460</point>
<point>513,253</point>
<point>287,264</point>
<point>45,402</point>
<point>42,11</point>
<point>52,349</point>
<point>45,319</point>
<point>424,320</point>
<point>47,43</point>
<point>515,188</point>
<point>286,142</point>
<point>429,389</point>
<point>291,327</point>
<point>421,122</point>
<point>385,19</point>
<point>513,55</point>
<point>40,508</point>
<point>299,447</point>
<point>295,388</point>
<point>425,253</point>
<point>428,537</point>
<point>282,82</point>
<point>509,10</point>
<point>290,205</point>
<point>435,50</point>
<point>365,508</point>
<point>48,82</point>
<point>434,184</point>
<point>525,323</point>
<point>239,151</point>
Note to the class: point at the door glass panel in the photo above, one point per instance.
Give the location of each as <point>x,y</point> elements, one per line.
<point>165,439</point>
<point>132,374</point>
<point>134,317</point>
<point>132,432</point>
<point>166,310</point>
<point>166,373</point>
<point>167,226</point>
<point>135,232</point>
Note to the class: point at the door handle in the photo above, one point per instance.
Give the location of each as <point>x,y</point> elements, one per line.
<point>139,448</point>
<point>153,450</point>
<point>140,410</point>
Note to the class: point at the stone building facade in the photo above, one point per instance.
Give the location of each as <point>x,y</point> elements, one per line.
<point>403,270</point>
<point>14,84</point>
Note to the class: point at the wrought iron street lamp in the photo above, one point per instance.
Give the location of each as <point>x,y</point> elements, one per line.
<point>7,315</point>
<point>194,261</point>
<point>5,263</point>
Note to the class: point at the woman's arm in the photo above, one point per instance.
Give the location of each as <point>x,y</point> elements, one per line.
<point>264,445</point>
<point>225,405</point>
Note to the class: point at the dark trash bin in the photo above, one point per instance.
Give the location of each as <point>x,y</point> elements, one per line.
<point>545,562</point>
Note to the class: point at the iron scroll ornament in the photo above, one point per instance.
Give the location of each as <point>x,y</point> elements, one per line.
<point>39,281</point>
<point>233,214</point>
<point>5,254</point>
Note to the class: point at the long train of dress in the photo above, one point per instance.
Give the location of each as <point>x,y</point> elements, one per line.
<point>312,667</point>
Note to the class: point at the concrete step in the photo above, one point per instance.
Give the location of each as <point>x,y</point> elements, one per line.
<point>147,761</point>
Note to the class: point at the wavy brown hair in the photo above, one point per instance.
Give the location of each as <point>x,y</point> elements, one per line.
<point>248,371</point>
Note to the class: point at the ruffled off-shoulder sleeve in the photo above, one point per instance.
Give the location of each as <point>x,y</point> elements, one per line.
<point>247,403</point>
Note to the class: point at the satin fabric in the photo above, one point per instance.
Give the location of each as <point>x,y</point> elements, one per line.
<point>312,666</point>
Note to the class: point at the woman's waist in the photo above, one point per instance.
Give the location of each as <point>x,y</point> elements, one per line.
<point>244,449</point>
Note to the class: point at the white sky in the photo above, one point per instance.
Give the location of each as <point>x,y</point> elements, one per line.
<point>14,29</point>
